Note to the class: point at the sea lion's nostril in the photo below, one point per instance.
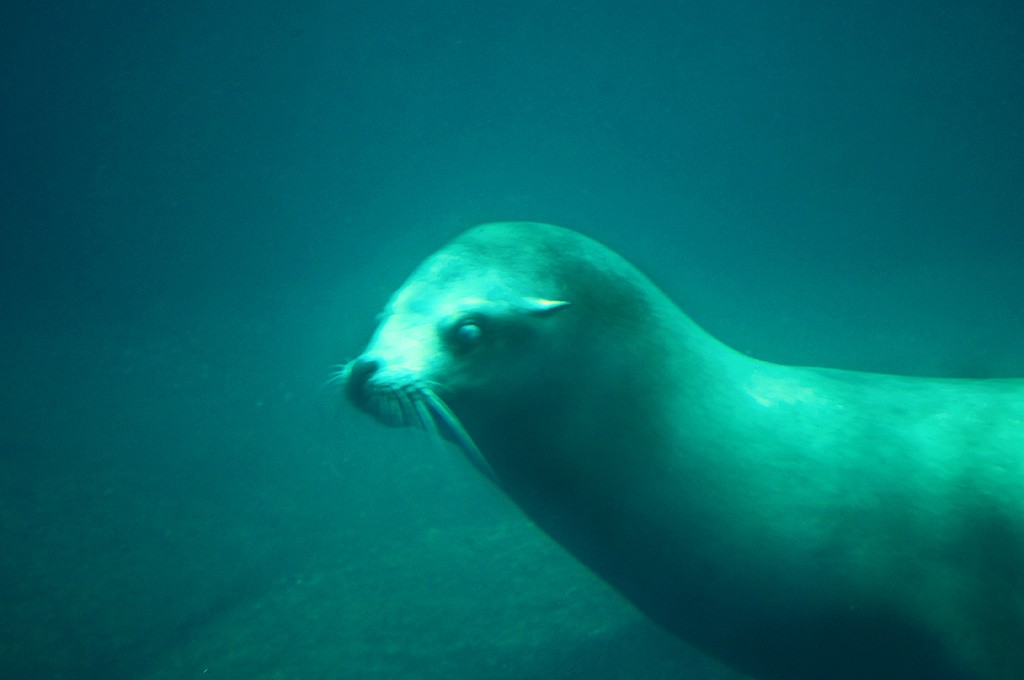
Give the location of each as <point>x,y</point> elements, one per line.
<point>361,370</point>
<point>357,376</point>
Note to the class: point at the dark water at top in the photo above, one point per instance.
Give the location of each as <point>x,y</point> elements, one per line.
<point>203,205</point>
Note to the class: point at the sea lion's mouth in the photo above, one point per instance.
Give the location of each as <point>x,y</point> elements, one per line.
<point>409,402</point>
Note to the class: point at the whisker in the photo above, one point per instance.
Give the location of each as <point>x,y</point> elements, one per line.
<point>396,407</point>
<point>426,418</point>
<point>337,376</point>
<point>412,403</point>
<point>461,438</point>
<point>410,413</point>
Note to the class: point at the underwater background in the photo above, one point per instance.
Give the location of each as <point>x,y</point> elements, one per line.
<point>203,206</point>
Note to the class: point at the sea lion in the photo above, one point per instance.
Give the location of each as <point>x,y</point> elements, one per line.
<point>797,523</point>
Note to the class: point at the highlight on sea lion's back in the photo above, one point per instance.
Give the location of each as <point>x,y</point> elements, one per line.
<point>793,522</point>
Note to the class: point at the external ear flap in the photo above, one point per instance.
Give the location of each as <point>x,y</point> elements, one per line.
<point>542,305</point>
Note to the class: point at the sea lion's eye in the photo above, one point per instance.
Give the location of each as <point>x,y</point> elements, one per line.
<point>466,334</point>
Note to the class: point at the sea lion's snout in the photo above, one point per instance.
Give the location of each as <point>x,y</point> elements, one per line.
<point>399,399</point>
<point>360,370</point>
<point>356,380</point>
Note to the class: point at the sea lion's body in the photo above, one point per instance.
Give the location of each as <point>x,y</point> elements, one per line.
<point>794,522</point>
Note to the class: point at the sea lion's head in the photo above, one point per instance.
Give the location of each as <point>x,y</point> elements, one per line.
<point>467,323</point>
<point>495,331</point>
